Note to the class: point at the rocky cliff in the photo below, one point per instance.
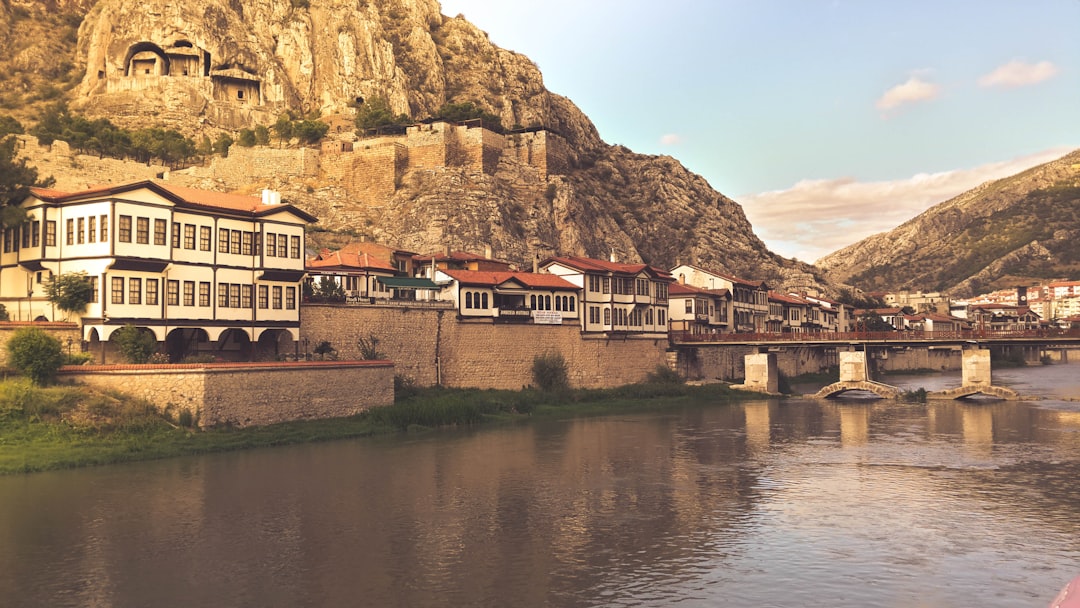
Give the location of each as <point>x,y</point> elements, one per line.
<point>204,66</point>
<point>1008,232</point>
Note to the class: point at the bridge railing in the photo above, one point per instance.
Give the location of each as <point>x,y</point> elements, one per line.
<point>877,336</point>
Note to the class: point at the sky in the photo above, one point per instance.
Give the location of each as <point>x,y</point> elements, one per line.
<point>827,120</point>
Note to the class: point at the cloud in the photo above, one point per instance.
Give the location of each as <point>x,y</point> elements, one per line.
<point>816,217</point>
<point>912,91</point>
<point>1016,73</point>
<point>670,139</point>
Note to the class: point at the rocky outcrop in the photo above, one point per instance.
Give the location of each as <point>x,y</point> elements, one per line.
<point>205,66</point>
<point>999,234</point>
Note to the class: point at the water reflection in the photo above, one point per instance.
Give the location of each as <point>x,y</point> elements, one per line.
<point>850,503</point>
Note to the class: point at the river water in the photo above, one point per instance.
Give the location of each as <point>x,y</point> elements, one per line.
<point>768,503</point>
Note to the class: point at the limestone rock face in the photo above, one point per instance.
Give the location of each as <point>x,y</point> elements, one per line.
<point>229,64</point>
<point>206,66</point>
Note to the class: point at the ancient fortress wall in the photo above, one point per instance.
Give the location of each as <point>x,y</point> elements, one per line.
<point>249,394</point>
<point>431,345</point>
<point>57,161</point>
<point>370,171</point>
<point>261,163</point>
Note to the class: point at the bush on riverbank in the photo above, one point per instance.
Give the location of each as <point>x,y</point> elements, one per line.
<point>74,426</point>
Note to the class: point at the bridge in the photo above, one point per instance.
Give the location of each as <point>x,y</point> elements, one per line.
<point>987,337</point>
<point>762,376</point>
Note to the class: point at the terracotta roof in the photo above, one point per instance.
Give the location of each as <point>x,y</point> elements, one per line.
<point>586,264</point>
<point>179,195</point>
<point>375,249</point>
<point>788,299</point>
<point>681,289</point>
<point>349,261</point>
<point>727,277</point>
<point>529,279</point>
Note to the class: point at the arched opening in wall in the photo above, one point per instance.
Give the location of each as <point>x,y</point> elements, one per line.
<point>95,346</point>
<point>146,59</point>
<point>233,345</point>
<point>274,344</point>
<point>184,59</point>
<point>116,355</point>
<point>188,344</point>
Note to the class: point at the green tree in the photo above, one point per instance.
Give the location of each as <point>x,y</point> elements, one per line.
<point>135,345</point>
<point>262,135</point>
<point>16,179</point>
<point>549,372</point>
<point>222,144</point>
<point>10,126</point>
<point>310,131</point>
<point>330,290</point>
<point>71,291</point>
<point>36,354</point>
<point>4,316</point>
<point>376,112</point>
<point>247,138</point>
<point>460,112</point>
<point>283,128</point>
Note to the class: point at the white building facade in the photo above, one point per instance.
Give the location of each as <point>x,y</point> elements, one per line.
<point>191,266</point>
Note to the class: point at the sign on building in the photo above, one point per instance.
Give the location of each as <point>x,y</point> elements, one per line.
<point>547,317</point>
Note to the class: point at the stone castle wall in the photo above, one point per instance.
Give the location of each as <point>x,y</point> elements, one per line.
<point>260,163</point>
<point>546,151</point>
<point>58,162</point>
<point>432,346</point>
<point>249,394</point>
<point>371,171</point>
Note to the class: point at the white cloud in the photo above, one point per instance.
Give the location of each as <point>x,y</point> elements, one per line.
<point>670,139</point>
<point>816,217</point>
<point>914,90</point>
<point>1016,73</point>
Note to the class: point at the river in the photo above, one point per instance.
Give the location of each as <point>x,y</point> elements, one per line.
<point>789,502</point>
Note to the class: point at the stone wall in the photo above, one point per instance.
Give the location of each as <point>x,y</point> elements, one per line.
<point>249,394</point>
<point>432,346</point>
<point>259,163</point>
<point>57,161</point>
<point>59,330</point>
<point>541,149</point>
<point>371,171</point>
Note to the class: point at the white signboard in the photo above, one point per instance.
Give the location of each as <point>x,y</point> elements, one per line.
<point>547,317</point>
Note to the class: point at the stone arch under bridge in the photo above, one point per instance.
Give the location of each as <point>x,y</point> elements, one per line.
<point>838,388</point>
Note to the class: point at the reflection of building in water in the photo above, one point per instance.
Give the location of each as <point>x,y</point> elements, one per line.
<point>978,425</point>
<point>757,426</point>
<point>854,424</point>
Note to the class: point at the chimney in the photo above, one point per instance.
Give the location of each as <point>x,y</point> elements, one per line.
<point>271,197</point>
<point>612,256</point>
<point>447,250</point>
<point>536,262</point>
<point>487,252</point>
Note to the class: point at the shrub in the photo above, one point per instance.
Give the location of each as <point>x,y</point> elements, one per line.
<point>36,354</point>
<point>4,313</point>
<point>369,348</point>
<point>135,345</point>
<point>549,372</point>
<point>78,358</point>
<point>325,350</point>
<point>663,375</point>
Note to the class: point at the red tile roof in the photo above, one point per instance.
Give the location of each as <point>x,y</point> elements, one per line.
<point>587,264</point>
<point>681,289</point>
<point>349,261</point>
<point>534,280</point>
<point>179,195</point>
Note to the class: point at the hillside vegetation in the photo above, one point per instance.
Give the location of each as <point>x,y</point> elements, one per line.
<point>1013,231</point>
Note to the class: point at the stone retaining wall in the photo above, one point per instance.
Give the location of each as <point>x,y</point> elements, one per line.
<point>58,329</point>
<point>432,346</point>
<point>249,394</point>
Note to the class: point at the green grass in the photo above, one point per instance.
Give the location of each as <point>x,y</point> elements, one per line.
<point>73,426</point>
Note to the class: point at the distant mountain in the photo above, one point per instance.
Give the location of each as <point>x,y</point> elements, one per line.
<point>1008,232</point>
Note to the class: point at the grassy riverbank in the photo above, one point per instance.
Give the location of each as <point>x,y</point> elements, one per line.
<point>74,426</point>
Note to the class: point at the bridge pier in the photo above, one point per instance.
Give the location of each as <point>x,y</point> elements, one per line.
<point>854,377</point>
<point>975,378</point>
<point>762,374</point>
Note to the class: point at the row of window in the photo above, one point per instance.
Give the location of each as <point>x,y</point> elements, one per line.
<point>624,318</point>
<point>137,290</point>
<point>627,286</point>
<point>562,303</point>
<point>95,229</point>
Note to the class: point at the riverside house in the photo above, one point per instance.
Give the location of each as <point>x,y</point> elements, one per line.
<point>749,299</point>
<point>698,311</point>
<point>617,298</point>
<point>511,297</point>
<point>200,270</point>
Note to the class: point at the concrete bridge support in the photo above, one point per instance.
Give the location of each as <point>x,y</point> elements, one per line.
<point>854,377</point>
<point>975,378</point>
<point>762,374</point>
